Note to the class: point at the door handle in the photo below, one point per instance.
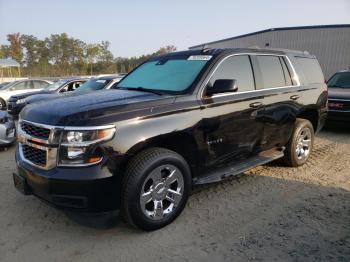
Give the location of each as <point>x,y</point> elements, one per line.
<point>256,104</point>
<point>294,97</point>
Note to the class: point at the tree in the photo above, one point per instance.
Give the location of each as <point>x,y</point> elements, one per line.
<point>15,48</point>
<point>92,53</point>
<point>4,51</point>
<point>165,50</point>
<point>62,55</point>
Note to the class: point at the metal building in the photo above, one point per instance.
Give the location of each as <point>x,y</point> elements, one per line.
<point>329,43</point>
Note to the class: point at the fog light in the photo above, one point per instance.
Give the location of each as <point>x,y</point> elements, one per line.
<point>75,152</point>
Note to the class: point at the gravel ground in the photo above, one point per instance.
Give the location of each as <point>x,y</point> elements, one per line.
<point>271,213</point>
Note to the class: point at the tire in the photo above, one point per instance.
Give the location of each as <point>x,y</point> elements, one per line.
<point>150,181</point>
<point>2,104</point>
<point>300,145</point>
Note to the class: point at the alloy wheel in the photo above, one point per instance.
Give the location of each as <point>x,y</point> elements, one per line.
<point>304,143</point>
<point>161,192</point>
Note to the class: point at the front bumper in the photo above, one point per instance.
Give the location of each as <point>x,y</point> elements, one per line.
<point>338,116</point>
<point>85,189</point>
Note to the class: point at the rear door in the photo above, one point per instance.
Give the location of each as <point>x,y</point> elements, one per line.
<point>281,98</point>
<point>231,122</point>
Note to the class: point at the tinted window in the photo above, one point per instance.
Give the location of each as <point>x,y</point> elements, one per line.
<point>287,76</point>
<point>311,70</point>
<point>340,80</point>
<point>235,67</point>
<point>271,71</point>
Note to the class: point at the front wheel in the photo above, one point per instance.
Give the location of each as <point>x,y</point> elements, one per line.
<point>155,188</point>
<point>300,145</point>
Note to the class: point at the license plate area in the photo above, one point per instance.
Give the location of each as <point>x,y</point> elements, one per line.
<point>21,184</point>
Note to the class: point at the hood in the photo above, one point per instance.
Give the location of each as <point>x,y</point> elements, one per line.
<point>21,96</point>
<point>96,108</point>
<point>338,93</point>
<point>43,97</point>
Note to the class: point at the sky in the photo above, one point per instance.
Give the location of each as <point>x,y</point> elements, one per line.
<point>137,27</point>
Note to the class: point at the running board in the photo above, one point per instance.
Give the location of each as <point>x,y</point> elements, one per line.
<point>238,168</point>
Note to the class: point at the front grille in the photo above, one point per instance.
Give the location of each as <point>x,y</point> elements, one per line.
<point>35,131</point>
<point>34,155</point>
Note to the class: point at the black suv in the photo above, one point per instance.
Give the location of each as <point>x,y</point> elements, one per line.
<point>176,121</point>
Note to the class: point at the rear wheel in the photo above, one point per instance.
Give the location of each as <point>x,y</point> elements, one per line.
<point>300,145</point>
<point>2,104</point>
<point>155,188</point>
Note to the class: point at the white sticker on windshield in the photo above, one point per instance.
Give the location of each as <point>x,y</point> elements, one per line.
<point>101,81</point>
<point>200,57</point>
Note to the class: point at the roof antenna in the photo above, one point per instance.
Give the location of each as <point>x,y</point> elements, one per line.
<point>205,48</point>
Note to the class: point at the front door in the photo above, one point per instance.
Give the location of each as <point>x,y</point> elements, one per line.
<point>232,123</point>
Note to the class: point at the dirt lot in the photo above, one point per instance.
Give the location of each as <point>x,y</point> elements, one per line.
<point>270,213</point>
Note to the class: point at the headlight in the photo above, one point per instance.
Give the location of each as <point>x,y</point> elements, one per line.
<point>21,101</point>
<point>80,147</point>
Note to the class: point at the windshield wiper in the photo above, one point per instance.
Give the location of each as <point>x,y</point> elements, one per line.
<point>140,88</point>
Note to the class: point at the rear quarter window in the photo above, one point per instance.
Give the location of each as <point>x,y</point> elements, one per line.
<point>311,70</point>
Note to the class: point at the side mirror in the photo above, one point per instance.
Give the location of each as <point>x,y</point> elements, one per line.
<point>223,86</point>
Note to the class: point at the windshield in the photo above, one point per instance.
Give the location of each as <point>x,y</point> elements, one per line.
<point>173,74</point>
<point>55,85</point>
<point>340,80</point>
<point>93,85</point>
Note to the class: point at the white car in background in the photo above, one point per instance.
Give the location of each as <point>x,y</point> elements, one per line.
<point>20,87</point>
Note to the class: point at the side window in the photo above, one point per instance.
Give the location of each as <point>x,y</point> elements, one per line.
<point>311,70</point>
<point>271,71</point>
<point>72,86</point>
<point>39,84</point>
<point>235,67</point>
<point>286,72</point>
<point>76,85</point>
<point>23,85</point>
<point>64,89</point>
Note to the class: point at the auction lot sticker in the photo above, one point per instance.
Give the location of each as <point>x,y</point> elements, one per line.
<point>200,57</point>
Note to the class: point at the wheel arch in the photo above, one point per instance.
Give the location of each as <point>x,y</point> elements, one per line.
<point>180,142</point>
<point>312,115</point>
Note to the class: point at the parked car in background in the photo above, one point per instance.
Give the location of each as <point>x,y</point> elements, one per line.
<point>178,120</point>
<point>16,103</point>
<point>20,87</point>
<point>3,84</point>
<point>7,129</point>
<point>339,97</point>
